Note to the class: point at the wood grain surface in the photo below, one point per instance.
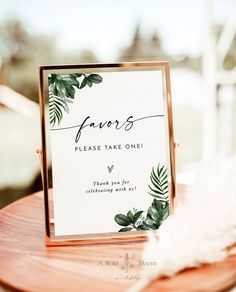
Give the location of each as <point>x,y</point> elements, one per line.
<point>27,265</point>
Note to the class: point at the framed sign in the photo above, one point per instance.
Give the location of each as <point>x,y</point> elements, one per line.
<point>107,133</point>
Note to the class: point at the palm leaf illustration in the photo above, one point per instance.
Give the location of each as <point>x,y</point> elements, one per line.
<point>159,186</point>
<point>62,92</point>
<point>56,107</point>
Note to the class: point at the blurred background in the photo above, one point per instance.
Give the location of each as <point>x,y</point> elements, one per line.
<point>198,37</point>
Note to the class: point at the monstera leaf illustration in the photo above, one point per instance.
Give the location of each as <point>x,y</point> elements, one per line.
<point>62,92</point>
<point>156,213</point>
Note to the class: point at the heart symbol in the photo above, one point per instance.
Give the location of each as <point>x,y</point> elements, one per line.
<point>110,168</point>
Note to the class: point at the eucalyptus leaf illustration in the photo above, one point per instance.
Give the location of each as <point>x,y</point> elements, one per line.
<point>62,88</point>
<point>130,215</point>
<point>122,220</point>
<point>130,220</point>
<point>125,229</point>
<point>157,212</point>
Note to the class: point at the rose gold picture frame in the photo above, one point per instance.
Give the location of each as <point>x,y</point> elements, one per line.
<point>51,239</point>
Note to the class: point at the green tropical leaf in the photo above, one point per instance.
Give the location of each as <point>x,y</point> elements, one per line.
<point>50,81</point>
<point>125,229</point>
<point>76,74</point>
<point>151,222</point>
<point>62,91</point>
<point>157,186</point>
<point>89,83</point>
<point>165,211</point>
<point>159,209</point>
<point>159,180</point>
<point>130,215</point>
<point>122,220</point>
<point>156,213</point>
<point>159,170</point>
<point>95,78</point>
<point>143,226</point>
<point>84,83</point>
<point>56,108</point>
<point>137,216</point>
<point>69,90</point>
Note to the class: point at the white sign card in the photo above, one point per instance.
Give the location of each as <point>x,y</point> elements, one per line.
<point>110,146</point>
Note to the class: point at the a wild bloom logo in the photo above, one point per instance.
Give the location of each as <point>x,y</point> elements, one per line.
<point>127,265</point>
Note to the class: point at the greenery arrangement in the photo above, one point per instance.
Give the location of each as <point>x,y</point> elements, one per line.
<point>62,92</point>
<point>156,213</point>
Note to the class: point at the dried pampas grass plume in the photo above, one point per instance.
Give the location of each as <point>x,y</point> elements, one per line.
<point>201,229</point>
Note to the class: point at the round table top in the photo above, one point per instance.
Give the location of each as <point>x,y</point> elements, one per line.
<point>27,264</point>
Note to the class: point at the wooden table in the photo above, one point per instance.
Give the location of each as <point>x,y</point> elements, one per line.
<point>26,264</point>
